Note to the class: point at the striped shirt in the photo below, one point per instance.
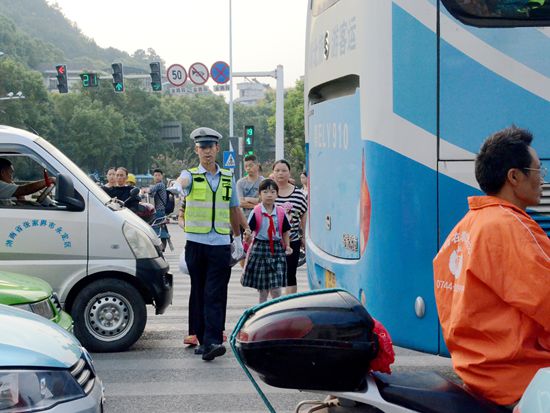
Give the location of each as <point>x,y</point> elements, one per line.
<point>295,206</point>
<point>160,196</point>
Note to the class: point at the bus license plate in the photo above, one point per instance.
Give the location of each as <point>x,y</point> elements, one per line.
<point>330,279</point>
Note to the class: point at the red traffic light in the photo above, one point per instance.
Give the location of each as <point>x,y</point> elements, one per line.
<point>62,85</point>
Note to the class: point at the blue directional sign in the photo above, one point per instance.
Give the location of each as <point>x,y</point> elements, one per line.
<point>220,72</point>
<point>229,159</point>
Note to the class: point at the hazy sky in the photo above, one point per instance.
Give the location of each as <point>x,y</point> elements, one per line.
<point>265,32</point>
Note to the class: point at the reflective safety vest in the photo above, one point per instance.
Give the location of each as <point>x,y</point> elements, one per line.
<point>206,209</point>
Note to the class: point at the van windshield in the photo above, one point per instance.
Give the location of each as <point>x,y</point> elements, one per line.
<point>77,172</point>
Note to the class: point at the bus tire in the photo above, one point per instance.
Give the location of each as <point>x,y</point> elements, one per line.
<point>109,315</point>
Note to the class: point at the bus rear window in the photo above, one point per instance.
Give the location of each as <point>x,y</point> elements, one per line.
<point>500,13</point>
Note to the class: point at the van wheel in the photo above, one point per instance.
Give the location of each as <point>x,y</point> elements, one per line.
<point>109,315</point>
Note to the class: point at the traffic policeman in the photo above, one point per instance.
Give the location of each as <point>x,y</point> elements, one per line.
<point>211,213</point>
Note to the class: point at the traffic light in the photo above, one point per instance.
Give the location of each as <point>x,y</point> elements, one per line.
<point>156,78</point>
<point>118,77</point>
<point>248,140</point>
<point>62,85</point>
<point>89,79</point>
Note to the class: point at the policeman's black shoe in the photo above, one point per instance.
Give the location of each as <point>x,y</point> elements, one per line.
<point>212,351</point>
<point>199,349</point>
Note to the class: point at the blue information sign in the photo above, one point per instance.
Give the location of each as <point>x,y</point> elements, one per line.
<point>229,159</point>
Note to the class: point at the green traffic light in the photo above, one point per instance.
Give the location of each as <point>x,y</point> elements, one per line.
<point>156,86</point>
<point>119,87</point>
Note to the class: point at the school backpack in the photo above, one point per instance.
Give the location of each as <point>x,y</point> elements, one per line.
<point>259,219</point>
<point>170,203</point>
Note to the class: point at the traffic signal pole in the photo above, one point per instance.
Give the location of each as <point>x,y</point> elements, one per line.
<point>279,107</point>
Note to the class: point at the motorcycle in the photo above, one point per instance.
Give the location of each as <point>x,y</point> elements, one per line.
<point>161,222</point>
<point>324,341</point>
<point>143,210</point>
<point>146,212</point>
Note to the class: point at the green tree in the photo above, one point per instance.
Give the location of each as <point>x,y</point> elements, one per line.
<point>193,112</point>
<point>294,132</point>
<point>88,132</point>
<point>24,48</point>
<point>264,138</point>
<point>33,113</point>
<point>53,32</point>
<point>294,128</point>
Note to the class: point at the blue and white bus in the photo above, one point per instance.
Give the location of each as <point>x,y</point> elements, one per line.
<point>399,96</point>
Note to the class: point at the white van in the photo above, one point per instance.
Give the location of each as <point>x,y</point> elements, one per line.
<point>103,261</point>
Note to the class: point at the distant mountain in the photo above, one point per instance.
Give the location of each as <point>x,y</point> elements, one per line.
<point>41,36</point>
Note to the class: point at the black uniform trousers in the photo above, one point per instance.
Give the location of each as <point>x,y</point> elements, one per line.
<point>210,270</point>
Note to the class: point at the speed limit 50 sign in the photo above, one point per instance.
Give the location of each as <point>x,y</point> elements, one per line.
<point>176,75</point>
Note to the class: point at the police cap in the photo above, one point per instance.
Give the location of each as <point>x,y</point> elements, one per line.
<point>201,135</point>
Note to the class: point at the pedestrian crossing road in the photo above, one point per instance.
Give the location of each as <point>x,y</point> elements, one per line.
<point>159,374</point>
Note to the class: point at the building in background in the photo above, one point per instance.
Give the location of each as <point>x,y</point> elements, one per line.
<point>251,92</point>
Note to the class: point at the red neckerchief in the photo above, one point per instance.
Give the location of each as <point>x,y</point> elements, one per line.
<point>270,232</point>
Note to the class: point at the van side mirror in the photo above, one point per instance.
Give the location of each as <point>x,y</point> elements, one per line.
<point>66,195</point>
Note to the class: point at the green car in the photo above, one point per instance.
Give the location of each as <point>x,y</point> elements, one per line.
<point>34,295</point>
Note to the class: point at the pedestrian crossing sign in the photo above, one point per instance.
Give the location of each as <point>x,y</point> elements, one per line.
<point>229,159</point>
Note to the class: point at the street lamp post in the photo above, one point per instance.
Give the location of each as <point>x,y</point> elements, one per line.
<point>231,74</point>
<point>279,100</point>
<point>13,96</point>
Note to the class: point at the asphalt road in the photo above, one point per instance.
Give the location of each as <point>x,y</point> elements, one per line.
<point>159,374</point>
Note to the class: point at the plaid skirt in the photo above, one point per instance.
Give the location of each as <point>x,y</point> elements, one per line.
<point>264,271</point>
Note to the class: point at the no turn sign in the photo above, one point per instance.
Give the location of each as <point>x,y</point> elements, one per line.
<point>176,75</point>
<point>198,73</point>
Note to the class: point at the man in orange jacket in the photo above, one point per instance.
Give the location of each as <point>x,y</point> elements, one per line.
<point>492,275</point>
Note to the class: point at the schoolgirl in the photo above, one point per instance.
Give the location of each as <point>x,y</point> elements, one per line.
<point>265,268</point>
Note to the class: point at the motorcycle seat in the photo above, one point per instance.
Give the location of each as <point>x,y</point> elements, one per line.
<point>428,392</point>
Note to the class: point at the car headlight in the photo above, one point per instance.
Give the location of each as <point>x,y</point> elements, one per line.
<point>43,308</point>
<point>26,307</point>
<point>140,243</point>
<point>28,390</point>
